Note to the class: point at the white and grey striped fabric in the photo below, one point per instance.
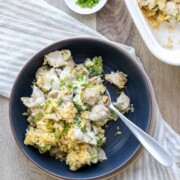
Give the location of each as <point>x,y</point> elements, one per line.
<point>26,27</point>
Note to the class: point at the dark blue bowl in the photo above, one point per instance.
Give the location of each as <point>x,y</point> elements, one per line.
<point>120,149</point>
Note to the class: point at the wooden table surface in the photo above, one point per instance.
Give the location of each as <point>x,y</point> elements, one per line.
<point>114,22</point>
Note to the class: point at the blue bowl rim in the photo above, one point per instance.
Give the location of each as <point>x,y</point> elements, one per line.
<point>135,62</point>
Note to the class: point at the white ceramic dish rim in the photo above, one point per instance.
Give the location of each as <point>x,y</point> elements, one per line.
<point>85,11</point>
<point>168,56</point>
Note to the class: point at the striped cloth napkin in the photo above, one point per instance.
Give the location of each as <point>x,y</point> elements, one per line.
<point>26,27</point>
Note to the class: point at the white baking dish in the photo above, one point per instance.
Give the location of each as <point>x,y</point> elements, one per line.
<point>156,39</point>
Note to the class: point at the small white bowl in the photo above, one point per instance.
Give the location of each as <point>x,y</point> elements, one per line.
<point>76,8</point>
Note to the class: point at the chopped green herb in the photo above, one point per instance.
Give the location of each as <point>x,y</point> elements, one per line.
<point>66,127</point>
<point>70,85</point>
<point>79,77</point>
<point>52,80</point>
<point>58,101</point>
<point>47,102</point>
<point>87,3</point>
<point>57,136</point>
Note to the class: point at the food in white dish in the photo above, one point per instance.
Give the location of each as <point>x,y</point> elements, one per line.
<point>160,11</point>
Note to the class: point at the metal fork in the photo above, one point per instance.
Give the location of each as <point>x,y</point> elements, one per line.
<point>152,146</point>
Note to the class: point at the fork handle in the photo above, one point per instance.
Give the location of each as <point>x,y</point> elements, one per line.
<point>152,146</point>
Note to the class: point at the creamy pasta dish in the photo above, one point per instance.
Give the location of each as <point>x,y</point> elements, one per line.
<point>67,109</point>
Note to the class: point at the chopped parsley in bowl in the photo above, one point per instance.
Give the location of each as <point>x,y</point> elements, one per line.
<point>87,3</point>
<point>85,7</point>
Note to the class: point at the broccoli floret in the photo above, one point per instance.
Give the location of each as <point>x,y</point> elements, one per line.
<point>94,66</point>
